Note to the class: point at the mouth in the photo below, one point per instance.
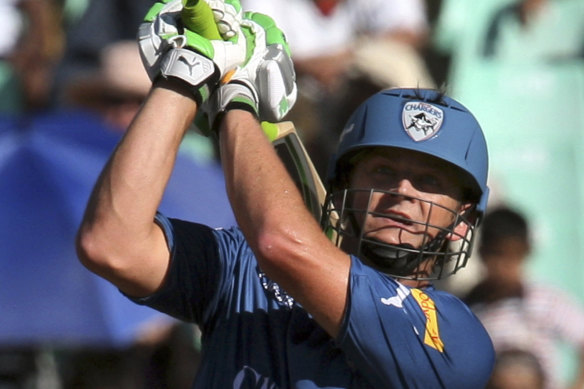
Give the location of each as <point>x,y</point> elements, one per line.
<point>395,228</point>
<point>394,219</point>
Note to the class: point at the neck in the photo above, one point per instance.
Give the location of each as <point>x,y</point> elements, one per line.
<point>415,283</point>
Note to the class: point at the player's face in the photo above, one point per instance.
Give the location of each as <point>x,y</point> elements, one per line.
<point>415,192</point>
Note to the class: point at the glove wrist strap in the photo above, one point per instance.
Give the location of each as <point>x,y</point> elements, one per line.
<point>233,96</point>
<point>194,69</point>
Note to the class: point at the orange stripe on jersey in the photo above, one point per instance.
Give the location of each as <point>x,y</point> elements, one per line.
<point>432,333</point>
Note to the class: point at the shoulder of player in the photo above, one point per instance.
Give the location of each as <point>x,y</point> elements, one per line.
<point>385,315</point>
<point>367,281</point>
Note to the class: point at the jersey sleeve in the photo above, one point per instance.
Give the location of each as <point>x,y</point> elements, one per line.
<point>412,338</point>
<point>199,269</point>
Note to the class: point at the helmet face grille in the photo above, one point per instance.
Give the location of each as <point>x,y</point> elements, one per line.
<point>441,250</point>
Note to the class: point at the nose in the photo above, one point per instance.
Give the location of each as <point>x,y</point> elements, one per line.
<point>406,188</point>
<point>400,193</point>
<point>402,190</point>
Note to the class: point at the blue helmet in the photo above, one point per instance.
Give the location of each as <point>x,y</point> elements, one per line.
<point>425,121</point>
<point>422,120</point>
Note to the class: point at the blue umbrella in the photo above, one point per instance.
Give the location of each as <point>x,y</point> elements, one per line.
<point>48,166</point>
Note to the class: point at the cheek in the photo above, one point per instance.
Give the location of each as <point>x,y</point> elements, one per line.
<point>362,200</point>
<point>445,215</point>
<point>444,211</point>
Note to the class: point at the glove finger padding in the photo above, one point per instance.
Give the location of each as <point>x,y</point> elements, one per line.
<point>266,83</point>
<point>228,15</point>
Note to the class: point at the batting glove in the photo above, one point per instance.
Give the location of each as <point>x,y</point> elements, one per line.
<point>266,83</point>
<point>227,14</point>
<point>170,47</point>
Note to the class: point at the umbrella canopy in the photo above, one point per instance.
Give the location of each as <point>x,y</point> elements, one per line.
<point>48,166</point>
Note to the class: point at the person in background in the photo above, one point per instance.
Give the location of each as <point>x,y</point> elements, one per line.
<point>516,369</point>
<point>116,89</point>
<point>31,45</point>
<point>101,23</point>
<point>518,312</point>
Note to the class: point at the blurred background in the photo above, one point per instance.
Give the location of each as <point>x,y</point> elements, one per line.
<point>71,81</point>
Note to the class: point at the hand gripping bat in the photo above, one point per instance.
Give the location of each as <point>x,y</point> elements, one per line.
<point>198,16</point>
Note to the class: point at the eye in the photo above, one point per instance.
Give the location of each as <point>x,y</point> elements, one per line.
<point>383,169</point>
<point>428,182</point>
<point>385,173</point>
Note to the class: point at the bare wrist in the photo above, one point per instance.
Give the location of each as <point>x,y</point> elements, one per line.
<point>174,85</point>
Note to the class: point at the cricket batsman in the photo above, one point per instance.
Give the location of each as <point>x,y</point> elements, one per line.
<point>280,304</point>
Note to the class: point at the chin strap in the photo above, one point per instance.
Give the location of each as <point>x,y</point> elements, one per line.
<point>400,260</point>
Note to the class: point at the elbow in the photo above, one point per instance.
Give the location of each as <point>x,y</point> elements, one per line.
<point>92,253</point>
<point>277,249</point>
<point>268,245</point>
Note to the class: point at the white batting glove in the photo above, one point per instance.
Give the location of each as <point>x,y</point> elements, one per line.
<point>228,15</point>
<point>266,84</point>
<point>170,49</point>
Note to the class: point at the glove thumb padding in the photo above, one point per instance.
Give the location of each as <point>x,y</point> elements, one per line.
<point>274,76</point>
<point>277,89</point>
<point>265,84</point>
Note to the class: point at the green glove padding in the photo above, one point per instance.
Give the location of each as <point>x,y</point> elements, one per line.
<point>170,49</point>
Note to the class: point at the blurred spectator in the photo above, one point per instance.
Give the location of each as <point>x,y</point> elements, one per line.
<point>510,31</point>
<point>516,369</point>
<point>116,89</point>
<point>517,312</point>
<point>167,357</point>
<point>103,22</point>
<point>31,43</point>
<point>104,76</point>
<point>518,65</point>
<point>344,50</point>
<point>533,26</point>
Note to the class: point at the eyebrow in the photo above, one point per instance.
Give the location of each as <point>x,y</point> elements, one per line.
<point>432,164</point>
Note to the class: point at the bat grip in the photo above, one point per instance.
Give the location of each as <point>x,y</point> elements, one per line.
<point>197,16</point>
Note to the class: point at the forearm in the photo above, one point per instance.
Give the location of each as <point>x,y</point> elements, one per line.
<point>288,243</point>
<point>257,183</point>
<point>118,233</point>
<point>139,170</point>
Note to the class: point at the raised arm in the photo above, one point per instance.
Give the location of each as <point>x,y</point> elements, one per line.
<point>288,243</point>
<point>118,238</point>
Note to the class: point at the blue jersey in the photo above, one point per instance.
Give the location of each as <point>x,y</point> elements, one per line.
<point>257,336</point>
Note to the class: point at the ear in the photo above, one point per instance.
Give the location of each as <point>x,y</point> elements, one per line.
<point>467,218</point>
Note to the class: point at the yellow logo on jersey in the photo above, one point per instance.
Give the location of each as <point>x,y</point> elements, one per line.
<point>432,334</point>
